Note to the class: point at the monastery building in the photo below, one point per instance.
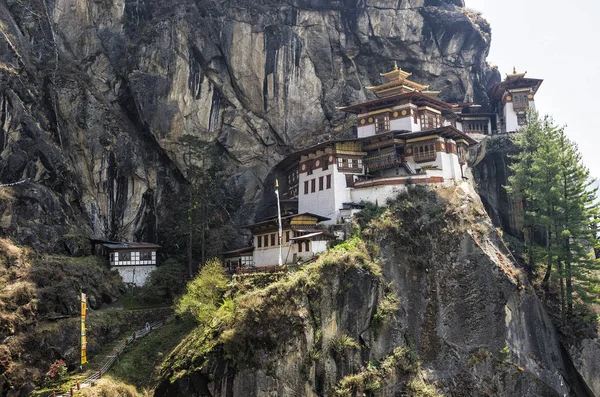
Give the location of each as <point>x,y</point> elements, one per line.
<point>405,136</point>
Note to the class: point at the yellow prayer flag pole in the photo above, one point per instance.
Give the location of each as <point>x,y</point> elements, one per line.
<point>83,333</point>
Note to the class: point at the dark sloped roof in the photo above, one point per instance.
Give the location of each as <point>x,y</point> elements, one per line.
<point>392,100</point>
<point>274,219</point>
<point>238,251</point>
<point>129,245</point>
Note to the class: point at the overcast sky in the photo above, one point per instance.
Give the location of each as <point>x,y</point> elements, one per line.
<point>558,42</point>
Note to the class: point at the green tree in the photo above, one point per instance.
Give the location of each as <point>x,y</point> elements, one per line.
<point>576,237</point>
<point>559,209</point>
<point>164,283</point>
<point>204,293</point>
<point>202,215</point>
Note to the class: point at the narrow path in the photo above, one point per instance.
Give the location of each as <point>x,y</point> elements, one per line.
<point>110,359</point>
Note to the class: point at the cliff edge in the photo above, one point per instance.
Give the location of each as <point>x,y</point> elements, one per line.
<point>427,301</point>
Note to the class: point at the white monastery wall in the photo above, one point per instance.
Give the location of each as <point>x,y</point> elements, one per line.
<point>289,253</point>
<point>366,130</point>
<point>268,256</point>
<point>318,246</point>
<point>138,277</point>
<point>510,118</point>
<point>321,202</point>
<point>342,195</point>
<point>376,194</point>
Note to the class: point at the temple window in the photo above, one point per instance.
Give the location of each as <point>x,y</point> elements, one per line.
<point>429,120</point>
<point>350,165</point>
<point>476,127</point>
<point>313,184</point>
<point>287,236</point>
<point>328,182</point>
<point>320,183</point>
<point>424,121</point>
<point>382,123</point>
<point>272,239</point>
<point>424,152</point>
<point>299,246</point>
<point>305,187</point>
<point>307,245</point>
<point>521,119</point>
<point>293,178</point>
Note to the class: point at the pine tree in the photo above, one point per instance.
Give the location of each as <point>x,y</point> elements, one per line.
<point>577,210</point>
<point>560,209</point>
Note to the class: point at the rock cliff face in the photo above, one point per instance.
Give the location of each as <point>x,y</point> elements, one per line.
<point>95,95</point>
<point>490,169</point>
<point>443,288</point>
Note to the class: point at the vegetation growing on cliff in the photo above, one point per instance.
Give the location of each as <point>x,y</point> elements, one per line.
<point>560,214</point>
<point>262,319</point>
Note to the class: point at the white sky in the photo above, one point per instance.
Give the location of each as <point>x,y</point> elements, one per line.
<point>558,42</point>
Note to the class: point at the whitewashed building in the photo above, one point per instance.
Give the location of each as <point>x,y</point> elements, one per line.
<point>405,136</point>
<point>512,98</point>
<point>133,261</point>
<point>302,239</point>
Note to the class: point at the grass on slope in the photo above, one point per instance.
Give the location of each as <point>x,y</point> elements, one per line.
<point>139,363</point>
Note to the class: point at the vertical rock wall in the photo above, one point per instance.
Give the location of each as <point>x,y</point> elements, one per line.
<point>94,95</point>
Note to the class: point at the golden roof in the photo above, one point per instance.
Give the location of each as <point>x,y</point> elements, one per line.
<point>514,74</point>
<point>398,83</point>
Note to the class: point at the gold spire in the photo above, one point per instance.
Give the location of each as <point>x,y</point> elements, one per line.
<point>515,74</point>
<point>398,83</point>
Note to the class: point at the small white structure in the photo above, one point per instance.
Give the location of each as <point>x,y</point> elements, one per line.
<point>301,240</point>
<point>512,98</point>
<point>133,261</point>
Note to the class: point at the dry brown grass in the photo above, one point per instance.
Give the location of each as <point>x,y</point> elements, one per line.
<point>109,387</point>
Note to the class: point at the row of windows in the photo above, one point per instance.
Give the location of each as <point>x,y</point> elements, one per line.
<point>478,127</point>
<point>382,123</point>
<point>324,183</point>
<point>520,98</point>
<point>424,152</point>
<point>264,240</point>
<point>428,121</point>
<point>132,256</point>
<point>352,164</point>
<point>293,178</point>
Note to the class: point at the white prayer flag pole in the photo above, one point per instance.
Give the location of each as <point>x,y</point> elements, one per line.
<point>279,220</point>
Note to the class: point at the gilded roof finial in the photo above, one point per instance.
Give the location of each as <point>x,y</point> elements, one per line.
<point>395,65</point>
<point>514,70</point>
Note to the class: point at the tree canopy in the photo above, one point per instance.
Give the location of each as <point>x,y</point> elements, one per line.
<point>560,211</point>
